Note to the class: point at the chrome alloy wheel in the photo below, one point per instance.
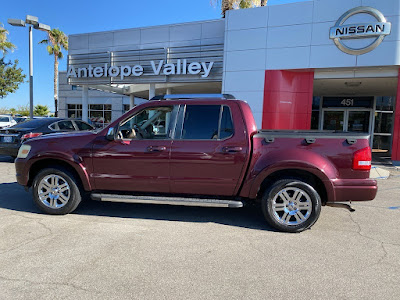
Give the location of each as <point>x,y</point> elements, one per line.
<point>54,191</point>
<point>291,206</point>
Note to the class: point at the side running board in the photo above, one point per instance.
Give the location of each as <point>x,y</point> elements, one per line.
<point>167,200</point>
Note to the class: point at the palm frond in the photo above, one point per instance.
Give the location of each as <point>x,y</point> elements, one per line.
<point>50,49</point>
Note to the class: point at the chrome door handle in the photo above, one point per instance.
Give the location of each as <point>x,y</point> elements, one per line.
<point>232,149</point>
<point>156,148</point>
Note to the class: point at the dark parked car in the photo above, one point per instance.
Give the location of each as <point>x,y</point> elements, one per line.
<point>21,119</point>
<point>209,153</point>
<point>12,137</point>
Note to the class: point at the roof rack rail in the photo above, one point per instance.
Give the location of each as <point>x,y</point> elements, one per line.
<point>193,96</point>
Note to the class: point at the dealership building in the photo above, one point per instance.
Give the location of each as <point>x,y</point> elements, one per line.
<point>321,64</point>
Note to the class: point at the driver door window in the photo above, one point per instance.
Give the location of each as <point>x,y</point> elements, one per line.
<point>149,124</point>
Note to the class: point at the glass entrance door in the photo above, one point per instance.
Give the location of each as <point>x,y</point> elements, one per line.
<point>347,120</point>
<point>333,120</point>
<point>358,121</point>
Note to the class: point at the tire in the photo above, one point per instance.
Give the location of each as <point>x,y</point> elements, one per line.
<point>291,205</point>
<point>60,193</point>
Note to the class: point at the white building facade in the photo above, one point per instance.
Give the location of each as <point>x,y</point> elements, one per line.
<point>322,64</point>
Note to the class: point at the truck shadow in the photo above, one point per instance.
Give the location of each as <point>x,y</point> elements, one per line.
<point>13,197</point>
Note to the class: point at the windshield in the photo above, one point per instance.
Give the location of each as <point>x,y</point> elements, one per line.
<point>4,119</point>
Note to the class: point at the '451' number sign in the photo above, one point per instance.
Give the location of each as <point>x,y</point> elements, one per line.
<point>347,102</point>
<point>362,102</point>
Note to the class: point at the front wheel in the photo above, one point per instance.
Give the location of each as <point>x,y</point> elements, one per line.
<point>291,205</point>
<point>55,191</point>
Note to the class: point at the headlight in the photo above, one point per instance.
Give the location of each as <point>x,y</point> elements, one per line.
<point>24,151</point>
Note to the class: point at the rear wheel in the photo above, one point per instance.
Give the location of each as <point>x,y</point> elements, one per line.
<point>291,205</point>
<point>55,191</point>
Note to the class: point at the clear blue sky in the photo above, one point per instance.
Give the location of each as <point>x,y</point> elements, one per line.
<point>87,16</point>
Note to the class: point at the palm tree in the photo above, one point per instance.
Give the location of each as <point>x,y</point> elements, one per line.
<point>5,45</point>
<point>56,41</point>
<point>235,4</point>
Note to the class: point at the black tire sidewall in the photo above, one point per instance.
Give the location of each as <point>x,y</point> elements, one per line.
<point>267,201</point>
<point>75,197</point>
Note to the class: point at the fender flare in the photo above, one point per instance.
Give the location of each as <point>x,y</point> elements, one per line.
<point>292,165</point>
<point>75,162</point>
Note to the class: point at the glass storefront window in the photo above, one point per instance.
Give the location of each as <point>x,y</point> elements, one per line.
<point>99,114</point>
<point>385,103</point>
<point>316,102</point>
<point>74,111</point>
<point>382,142</point>
<point>315,119</point>
<point>315,112</point>
<point>126,107</point>
<point>383,122</point>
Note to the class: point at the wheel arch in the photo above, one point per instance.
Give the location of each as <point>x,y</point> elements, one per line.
<point>304,175</point>
<point>78,171</point>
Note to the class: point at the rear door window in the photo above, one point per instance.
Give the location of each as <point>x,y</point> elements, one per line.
<point>206,122</point>
<point>66,125</point>
<point>83,126</point>
<point>201,122</point>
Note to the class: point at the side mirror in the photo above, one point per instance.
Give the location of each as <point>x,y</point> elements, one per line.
<point>110,134</point>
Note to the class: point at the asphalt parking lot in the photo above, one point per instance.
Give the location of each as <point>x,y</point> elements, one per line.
<point>121,251</point>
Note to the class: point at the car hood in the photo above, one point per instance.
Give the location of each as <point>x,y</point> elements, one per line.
<point>5,123</point>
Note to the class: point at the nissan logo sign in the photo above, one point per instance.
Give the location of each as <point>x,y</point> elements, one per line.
<point>377,30</point>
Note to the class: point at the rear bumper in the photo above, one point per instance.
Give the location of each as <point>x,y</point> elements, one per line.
<point>9,149</point>
<point>354,190</point>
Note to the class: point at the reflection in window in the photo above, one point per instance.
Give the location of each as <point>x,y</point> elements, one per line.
<point>226,128</point>
<point>151,123</point>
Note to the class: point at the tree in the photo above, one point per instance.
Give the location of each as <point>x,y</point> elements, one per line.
<point>235,4</point>
<point>23,110</point>
<point>10,77</point>
<point>5,44</point>
<point>56,41</point>
<point>41,110</point>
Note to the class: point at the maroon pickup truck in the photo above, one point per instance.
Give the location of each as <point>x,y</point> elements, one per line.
<point>199,152</point>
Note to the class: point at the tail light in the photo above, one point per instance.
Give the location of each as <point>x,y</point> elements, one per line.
<point>30,135</point>
<point>362,159</point>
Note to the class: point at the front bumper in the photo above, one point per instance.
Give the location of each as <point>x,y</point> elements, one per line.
<point>21,172</point>
<point>354,189</point>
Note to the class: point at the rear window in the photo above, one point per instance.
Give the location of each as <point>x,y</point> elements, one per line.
<point>4,119</point>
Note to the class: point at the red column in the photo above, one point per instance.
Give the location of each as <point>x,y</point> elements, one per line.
<point>287,99</point>
<point>396,129</point>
